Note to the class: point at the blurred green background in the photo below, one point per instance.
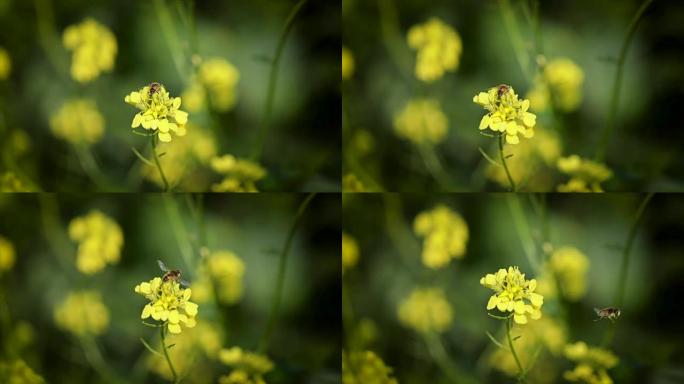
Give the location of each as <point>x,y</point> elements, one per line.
<point>305,345</point>
<point>643,152</point>
<point>502,230</point>
<point>301,152</point>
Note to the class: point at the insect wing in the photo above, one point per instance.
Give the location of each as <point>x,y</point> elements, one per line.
<point>162,266</point>
<point>184,283</point>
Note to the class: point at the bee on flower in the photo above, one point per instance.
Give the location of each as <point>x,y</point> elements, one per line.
<point>159,112</point>
<point>169,303</point>
<point>506,114</point>
<point>514,294</point>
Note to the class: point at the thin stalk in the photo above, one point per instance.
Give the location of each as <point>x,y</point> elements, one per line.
<point>166,354</point>
<point>90,167</point>
<point>617,83</point>
<point>168,30</point>
<point>521,377</point>
<point>434,166</point>
<point>441,357</point>
<point>156,161</point>
<point>97,361</point>
<point>503,161</point>
<point>522,228</point>
<point>179,231</point>
<point>273,80</point>
<point>513,32</point>
<point>280,282</point>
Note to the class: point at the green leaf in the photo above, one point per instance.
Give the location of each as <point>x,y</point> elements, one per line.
<point>150,348</point>
<point>142,158</point>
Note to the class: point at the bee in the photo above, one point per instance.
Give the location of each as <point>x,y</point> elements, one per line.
<point>154,88</point>
<point>172,274</point>
<point>610,313</point>
<point>502,89</point>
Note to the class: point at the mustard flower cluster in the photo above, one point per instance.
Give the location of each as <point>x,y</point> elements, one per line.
<point>511,290</point>
<point>5,64</point>
<point>506,113</point>
<point>240,175</point>
<point>446,236</point>
<point>82,313</point>
<point>248,367</point>
<point>169,303</point>
<point>365,367</point>
<point>422,121</point>
<point>426,310</point>
<point>560,83</point>
<point>570,267</point>
<point>592,364</point>
<point>347,63</point>
<point>160,113</point>
<point>94,47</point>
<point>350,252</point>
<point>78,121</point>
<point>439,49</point>
<point>18,372</point>
<point>100,240</point>
<point>216,80</point>
<point>351,183</point>
<point>585,175</point>
<point>7,255</point>
<point>227,271</point>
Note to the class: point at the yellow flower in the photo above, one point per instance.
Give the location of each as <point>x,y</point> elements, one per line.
<point>94,47</point>
<point>592,364</point>
<point>511,290</point>
<point>586,175</point>
<point>365,367</point>
<point>561,83</point>
<point>422,121</point>
<point>18,372</point>
<point>5,64</point>
<point>226,270</point>
<point>351,183</point>
<point>445,233</point>
<point>9,182</point>
<point>347,63</point>
<point>439,49</point>
<point>78,121</point>
<point>506,114</point>
<point>426,310</point>
<point>160,113</point>
<point>570,268</point>
<point>240,174</point>
<point>83,313</point>
<point>350,252</point>
<point>7,255</point>
<point>99,241</point>
<point>248,367</point>
<point>219,77</point>
<point>169,303</point>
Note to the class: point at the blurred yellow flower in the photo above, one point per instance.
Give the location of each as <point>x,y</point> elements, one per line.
<point>446,236</point>
<point>240,175</point>
<point>159,112</point>
<point>226,270</point>
<point>422,121</point>
<point>18,372</point>
<point>439,49</point>
<point>78,121</point>
<point>592,363</point>
<point>511,290</point>
<point>350,252</point>
<point>351,183</point>
<point>506,114</point>
<point>7,255</point>
<point>560,83</point>
<point>9,182</point>
<point>99,241</point>
<point>82,313</point>
<point>426,310</point>
<point>219,77</point>
<point>5,64</point>
<point>347,63</point>
<point>585,175</point>
<point>94,47</point>
<point>248,367</point>
<point>169,303</point>
<point>365,367</point>
<point>570,268</point>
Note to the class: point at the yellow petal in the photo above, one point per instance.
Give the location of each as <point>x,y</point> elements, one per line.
<point>536,299</point>
<point>493,301</point>
<point>532,285</point>
<point>173,317</point>
<point>176,103</point>
<point>163,125</point>
<point>490,279</point>
<point>137,119</point>
<point>502,305</point>
<point>191,308</point>
<point>180,130</point>
<point>520,319</point>
<point>529,119</point>
<point>147,311</point>
<point>519,307</point>
<point>512,139</point>
<point>181,117</point>
<point>174,328</point>
<point>165,137</point>
<point>484,123</point>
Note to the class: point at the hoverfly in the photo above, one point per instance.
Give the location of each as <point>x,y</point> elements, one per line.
<point>502,89</point>
<point>172,274</point>
<point>610,313</point>
<point>154,88</point>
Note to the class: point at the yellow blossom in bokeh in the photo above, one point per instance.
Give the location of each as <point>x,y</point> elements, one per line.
<point>240,175</point>
<point>422,121</point>
<point>351,183</point>
<point>446,236</point>
<point>426,310</point>
<point>169,303</point>
<point>5,64</point>
<point>7,255</point>
<point>592,364</point>
<point>439,49</point>
<point>511,290</point>
<point>18,372</point>
<point>78,121</point>
<point>219,77</point>
<point>99,241</point>
<point>248,367</point>
<point>350,252</point>
<point>94,47</point>
<point>365,367</point>
<point>585,175</point>
<point>82,313</point>
<point>570,268</point>
<point>9,182</point>
<point>347,63</point>
<point>227,271</point>
<point>506,113</point>
<point>561,83</point>
<point>160,113</point>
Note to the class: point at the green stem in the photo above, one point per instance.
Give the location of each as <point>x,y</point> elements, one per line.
<point>441,357</point>
<point>503,161</point>
<point>156,161</point>
<point>179,230</point>
<point>513,32</point>
<point>97,361</point>
<point>280,282</point>
<point>521,377</point>
<point>617,83</point>
<point>273,80</point>
<point>90,167</point>
<point>162,332</point>
<point>522,228</point>
<point>434,166</point>
<point>168,30</point>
